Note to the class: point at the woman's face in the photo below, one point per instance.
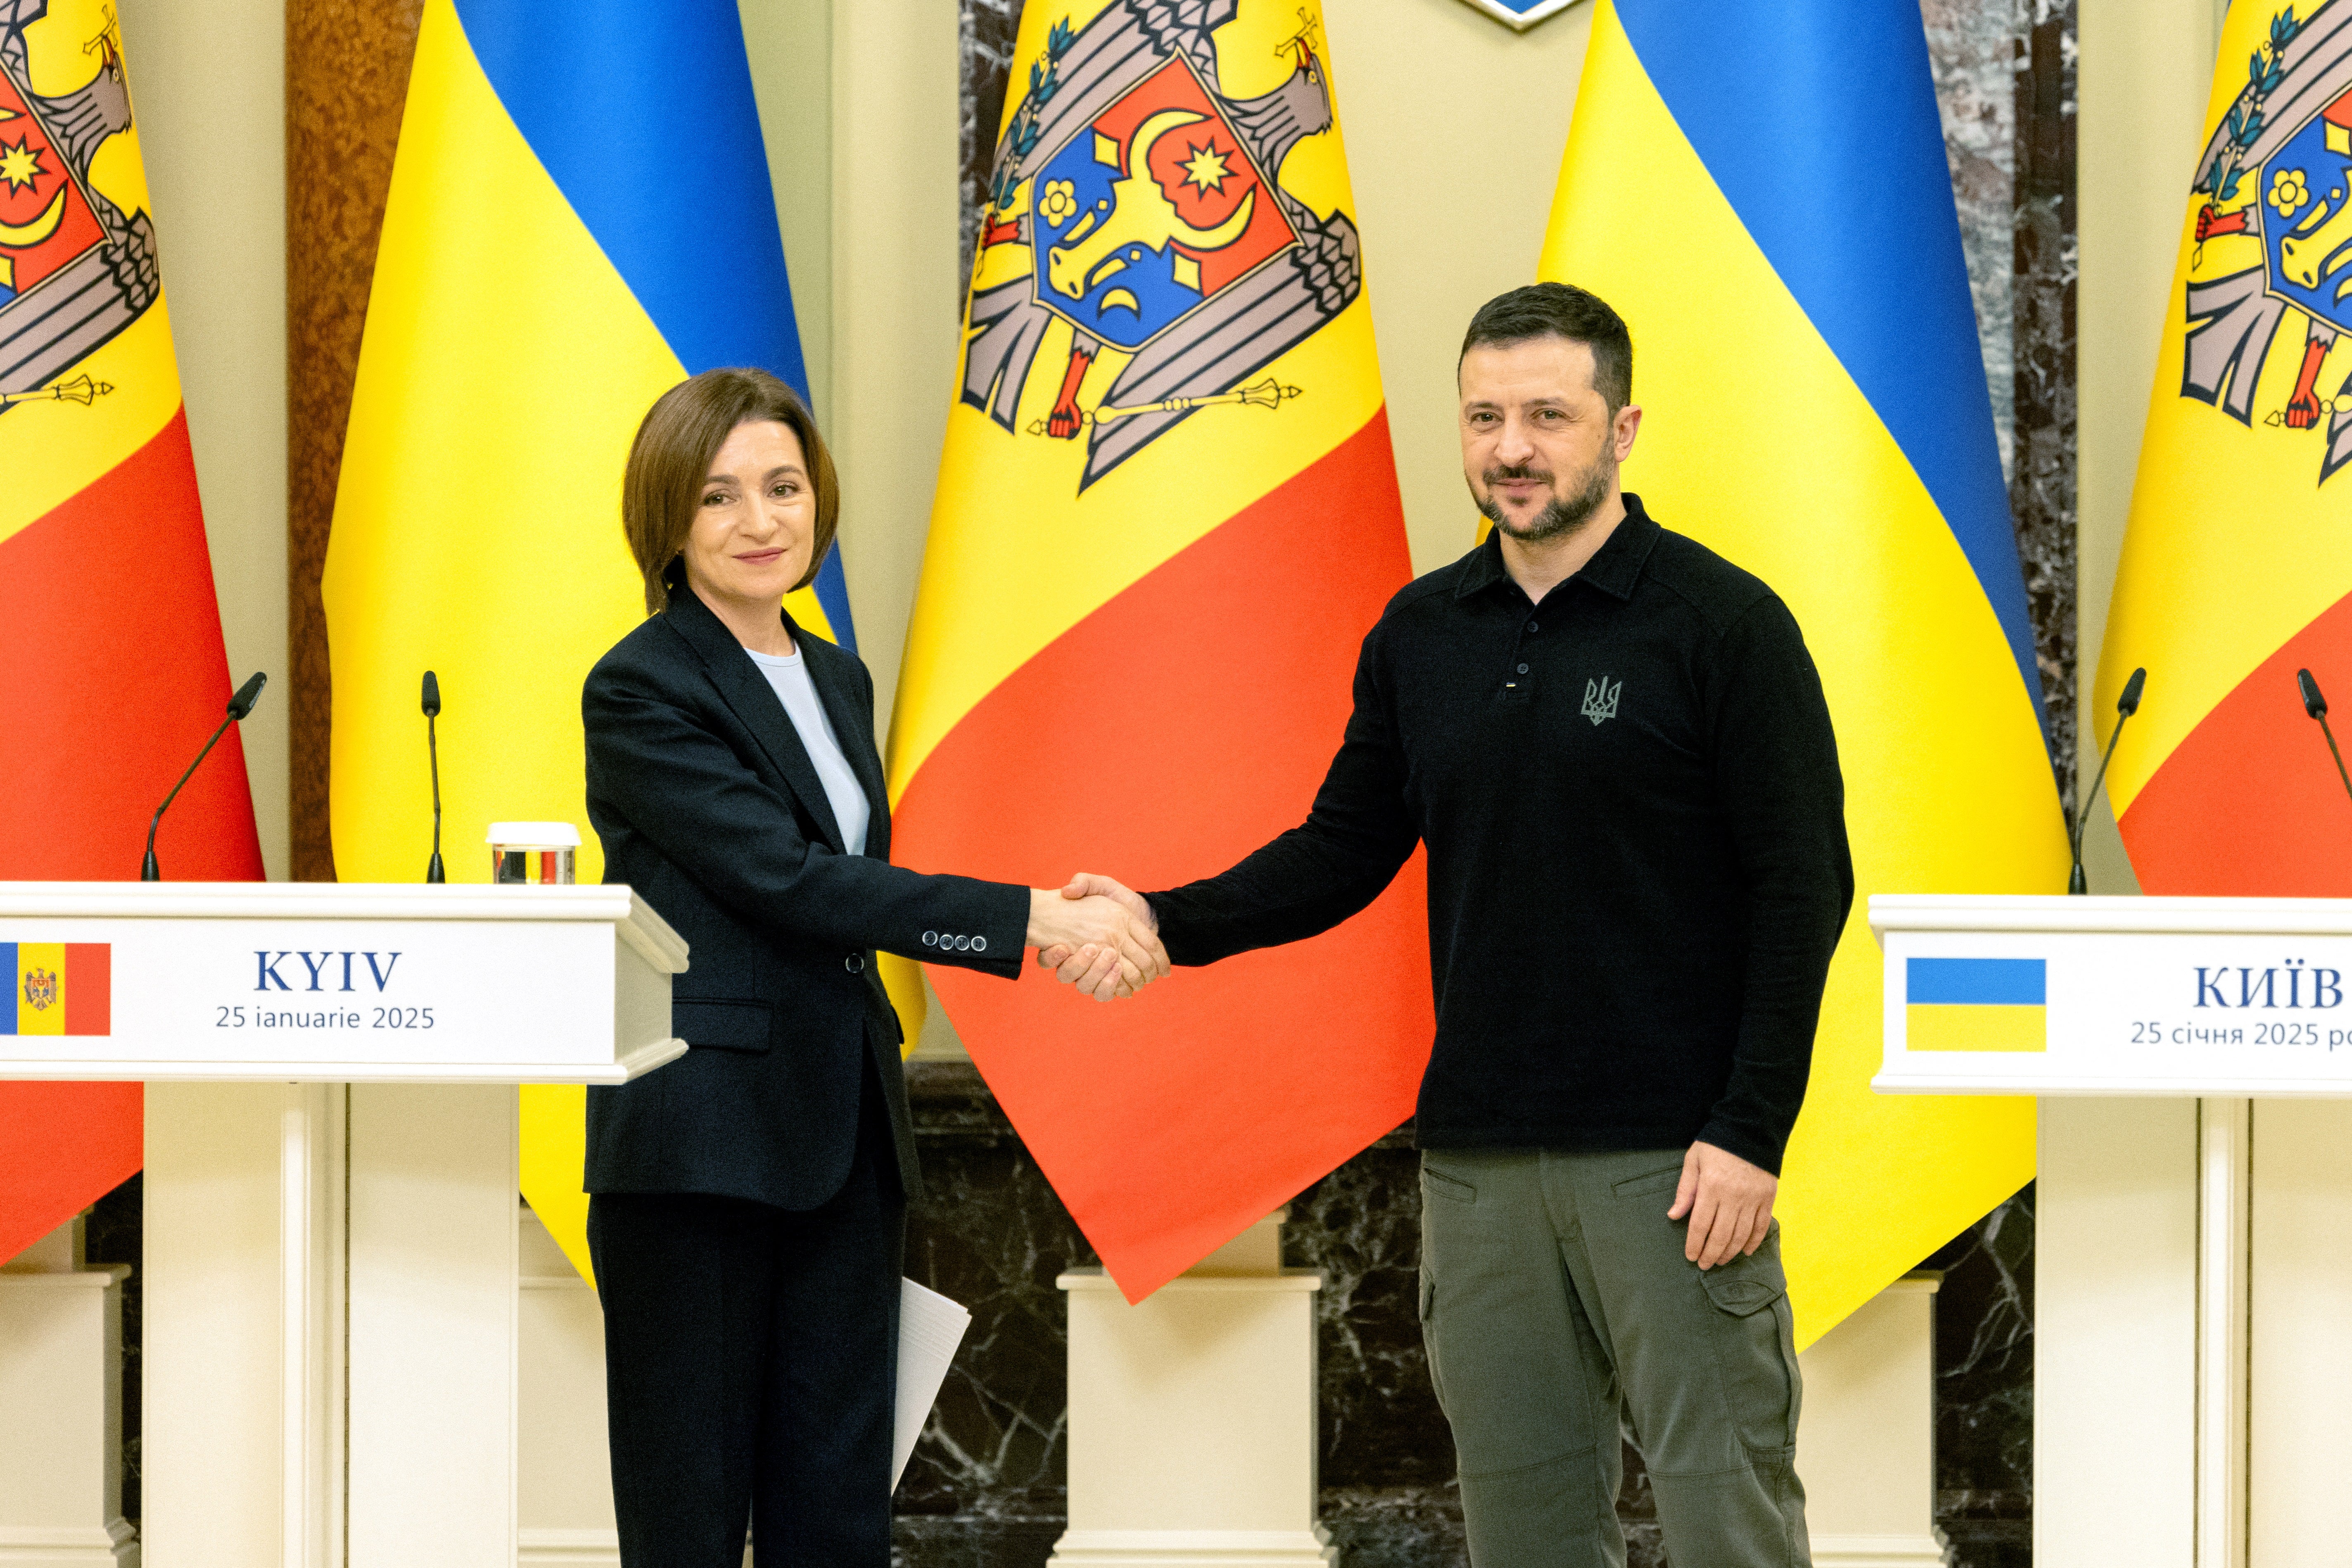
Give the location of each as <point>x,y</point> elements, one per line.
<point>756,521</point>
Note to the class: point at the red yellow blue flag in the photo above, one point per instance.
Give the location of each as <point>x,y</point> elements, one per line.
<point>108,629</point>
<point>57,987</point>
<point>1166,516</point>
<point>1763,192</point>
<point>2236,569</point>
<point>580,217</point>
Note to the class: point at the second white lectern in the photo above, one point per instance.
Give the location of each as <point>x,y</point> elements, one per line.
<point>2193,1273</point>
<point>330,1313</point>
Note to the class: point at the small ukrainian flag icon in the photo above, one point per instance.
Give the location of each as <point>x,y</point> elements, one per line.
<point>1977,1004</point>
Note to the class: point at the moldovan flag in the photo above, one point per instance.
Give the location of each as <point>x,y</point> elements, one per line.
<point>580,217</point>
<point>1765,198</point>
<point>1166,518</point>
<point>109,630</point>
<point>2237,568</point>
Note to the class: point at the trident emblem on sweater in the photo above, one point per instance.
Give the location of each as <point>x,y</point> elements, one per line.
<point>1601,699</point>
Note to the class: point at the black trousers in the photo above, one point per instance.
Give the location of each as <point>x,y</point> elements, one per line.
<point>751,1363</point>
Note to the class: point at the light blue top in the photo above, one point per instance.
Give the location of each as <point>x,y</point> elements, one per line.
<point>790,676</point>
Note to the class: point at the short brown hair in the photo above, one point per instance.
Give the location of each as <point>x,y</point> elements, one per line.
<point>1560,311</point>
<point>671,457</point>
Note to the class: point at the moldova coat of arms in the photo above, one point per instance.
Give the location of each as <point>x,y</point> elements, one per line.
<point>75,269</point>
<point>2278,171</point>
<point>1150,212</point>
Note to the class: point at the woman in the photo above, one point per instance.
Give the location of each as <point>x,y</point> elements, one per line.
<point>747,1201</point>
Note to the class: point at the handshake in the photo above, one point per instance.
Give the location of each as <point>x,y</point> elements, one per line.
<point>1097,935</point>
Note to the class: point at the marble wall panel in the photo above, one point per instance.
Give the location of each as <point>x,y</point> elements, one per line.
<point>985,33</point>
<point>1972,47</point>
<point>114,1233</point>
<point>2041,487</point>
<point>987,1485</point>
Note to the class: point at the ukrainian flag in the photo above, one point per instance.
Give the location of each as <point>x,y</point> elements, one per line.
<point>1760,188</point>
<point>580,217</point>
<point>1976,1003</point>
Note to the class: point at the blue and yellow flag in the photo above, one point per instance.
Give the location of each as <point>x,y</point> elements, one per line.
<point>1977,1004</point>
<point>580,217</point>
<point>1763,195</point>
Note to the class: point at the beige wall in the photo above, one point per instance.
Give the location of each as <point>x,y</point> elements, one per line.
<point>896,300</point>
<point>2145,68</point>
<point>1454,127</point>
<point>208,85</point>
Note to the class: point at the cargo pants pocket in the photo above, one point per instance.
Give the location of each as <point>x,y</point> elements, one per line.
<point>1756,1349</point>
<point>1437,1188</point>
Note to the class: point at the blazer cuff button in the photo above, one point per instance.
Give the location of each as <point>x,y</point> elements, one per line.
<point>979,944</point>
<point>854,963</point>
<point>930,939</point>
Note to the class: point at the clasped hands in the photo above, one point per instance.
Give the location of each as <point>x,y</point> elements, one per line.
<point>1097,935</point>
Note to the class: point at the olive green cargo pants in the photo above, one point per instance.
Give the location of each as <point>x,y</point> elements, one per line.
<point>1554,1289</point>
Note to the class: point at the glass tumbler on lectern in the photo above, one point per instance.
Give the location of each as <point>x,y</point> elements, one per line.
<point>533,852</point>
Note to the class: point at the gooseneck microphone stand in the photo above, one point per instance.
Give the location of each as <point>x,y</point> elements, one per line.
<point>238,707</point>
<point>2125,706</point>
<point>2317,706</point>
<point>432,703</point>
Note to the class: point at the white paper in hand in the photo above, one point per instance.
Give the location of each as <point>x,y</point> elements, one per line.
<point>930,1327</point>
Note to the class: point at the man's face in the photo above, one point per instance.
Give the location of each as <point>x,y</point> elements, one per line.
<point>1538,446</point>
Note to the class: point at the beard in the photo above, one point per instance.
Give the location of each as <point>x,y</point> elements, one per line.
<point>1563,514</point>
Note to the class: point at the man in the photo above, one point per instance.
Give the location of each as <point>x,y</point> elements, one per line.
<point>1615,746</point>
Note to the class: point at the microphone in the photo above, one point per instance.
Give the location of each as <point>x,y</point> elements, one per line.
<point>2317,706</point>
<point>238,707</point>
<point>2125,706</point>
<point>433,755</point>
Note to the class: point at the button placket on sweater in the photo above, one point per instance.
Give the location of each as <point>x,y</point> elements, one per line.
<point>1518,668</point>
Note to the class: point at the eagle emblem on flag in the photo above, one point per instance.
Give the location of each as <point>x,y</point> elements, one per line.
<point>40,990</point>
<point>75,269</point>
<point>2277,175</point>
<point>1139,208</point>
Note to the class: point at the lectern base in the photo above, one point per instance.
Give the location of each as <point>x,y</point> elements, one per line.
<point>91,1547</point>
<point>331,1326</point>
<point>1878,1552</point>
<point>1195,1548</point>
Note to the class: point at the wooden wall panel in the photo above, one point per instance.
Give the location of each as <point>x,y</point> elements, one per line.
<point>346,78</point>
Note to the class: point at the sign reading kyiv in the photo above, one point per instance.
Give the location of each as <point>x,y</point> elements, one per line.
<point>354,992</point>
<point>318,972</point>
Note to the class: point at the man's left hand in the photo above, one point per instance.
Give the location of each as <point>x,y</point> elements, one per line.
<point>1729,1203</point>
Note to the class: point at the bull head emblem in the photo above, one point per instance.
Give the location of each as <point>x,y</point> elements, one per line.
<point>2317,247</point>
<point>1141,216</point>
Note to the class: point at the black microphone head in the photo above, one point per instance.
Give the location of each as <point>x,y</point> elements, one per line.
<point>2313,702</point>
<point>432,696</point>
<point>2128,703</point>
<point>248,695</point>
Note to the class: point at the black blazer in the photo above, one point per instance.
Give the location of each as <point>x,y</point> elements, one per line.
<point>708,806</point>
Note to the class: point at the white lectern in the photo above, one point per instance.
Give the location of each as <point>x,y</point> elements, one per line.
<point>329,1353</point>
<point>2193,1276</point>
